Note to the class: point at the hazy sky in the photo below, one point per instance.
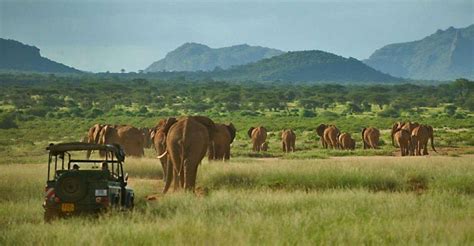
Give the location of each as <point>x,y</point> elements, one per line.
<point>110,35</point>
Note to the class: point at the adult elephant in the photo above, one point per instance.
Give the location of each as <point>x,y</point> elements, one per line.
<point>370,137</point>
<point>258,136</point>
<point>219,147</point>
<point>409,126</point>
<point>129,137</point>
<point>403,140</point>
<point>320,131</point>
<point>146,136</point>
<point>93,136</point>
<point>187,142</point>
<point>158,137</point>
<point>420,136</point>
<point>330,136</point>
<point>288,139</point>
<point>346,142</point>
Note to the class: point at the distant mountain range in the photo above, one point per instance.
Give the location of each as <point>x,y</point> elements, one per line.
<point>444,55</point>
<point>199,57</point>
<point>17,56</point>
<point>299,66</point>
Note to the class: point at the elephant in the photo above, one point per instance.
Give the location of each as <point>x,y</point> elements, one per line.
<point>264,146</point>
<point>403,139</point>
<point>258,136</point>
<point>320,131</point>
<point>346,142</point>
<point>129,137</point>
<point>93,136</point>
<point>288,139</point>
<point>158,137</point>
<point>370,137</point>
<point>409,126</point>
<point>146,136</point>
<point>219,147</point>
<point>330,136</point>
<point>420,136</point>
<point>187,141</point>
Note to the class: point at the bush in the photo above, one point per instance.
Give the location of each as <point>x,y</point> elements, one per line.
<point>307,113</point>
<point>329,115</point>
<point>249,113</point>
<point>7,121</point>
<point>389,112</point>
<point>450,109</point>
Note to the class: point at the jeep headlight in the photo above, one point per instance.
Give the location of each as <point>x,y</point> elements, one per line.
<point>101,192</point>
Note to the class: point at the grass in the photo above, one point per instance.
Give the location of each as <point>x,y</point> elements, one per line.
<point>340,200</point>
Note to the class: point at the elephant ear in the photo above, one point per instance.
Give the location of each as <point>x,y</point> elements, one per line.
<point>320,129</point>
<point>230,127</point>
<point>96,134</point>
<point>363,131</point>
<point>249,132</point>
<point>208,123</point>
<point>104,132</point>
<point>152,134</point>
<point>167,124</point>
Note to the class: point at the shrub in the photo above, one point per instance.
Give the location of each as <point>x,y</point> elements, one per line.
<point>7,121</point>
<point>307,113</point>
<point>389,112</point>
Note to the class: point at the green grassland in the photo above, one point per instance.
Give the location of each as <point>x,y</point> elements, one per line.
<point>310,197</point>
<point>341,200</point>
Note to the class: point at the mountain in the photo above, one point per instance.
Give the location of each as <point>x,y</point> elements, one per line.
<point>444,55</point>
<point>196,57</point>
<point>305,66</point>
<point>21,57</point>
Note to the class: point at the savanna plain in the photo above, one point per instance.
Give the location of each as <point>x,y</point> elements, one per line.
<point>310,197</point>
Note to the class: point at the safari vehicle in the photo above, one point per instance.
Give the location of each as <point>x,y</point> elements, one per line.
<point>80,186</point>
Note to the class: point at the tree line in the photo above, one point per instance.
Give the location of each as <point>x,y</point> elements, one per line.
<point>39,95</point>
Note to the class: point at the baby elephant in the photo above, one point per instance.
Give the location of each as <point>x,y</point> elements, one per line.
<point>288,139</point>
<point>346,141</point>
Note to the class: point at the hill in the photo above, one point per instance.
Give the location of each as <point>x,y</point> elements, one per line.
<point>21,57</point>
<point>444,55</point>
<point>306,66</point>
<point>199,57</point>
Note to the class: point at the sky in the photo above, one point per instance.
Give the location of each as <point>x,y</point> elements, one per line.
<point>107,35</point>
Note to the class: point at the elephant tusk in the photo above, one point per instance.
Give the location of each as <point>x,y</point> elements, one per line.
<point>162,155</point>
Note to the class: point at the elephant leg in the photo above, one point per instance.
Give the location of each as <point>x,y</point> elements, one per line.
<point>227,153</point>
<point>417,148</point>
<point>323,143</point>
<point>211,152</point>
<point>220,153</point>
<point>190,170</point>
<point>164,167</point>
<point>293,147</point>
<point>283,146</point>
<point>425,148</point>
<point>169,175</point>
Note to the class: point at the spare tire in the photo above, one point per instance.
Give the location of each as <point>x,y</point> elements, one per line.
<point>71,187</point>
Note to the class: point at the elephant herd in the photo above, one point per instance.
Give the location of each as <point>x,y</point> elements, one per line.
<point>412,138</point>
<point>182,143</point>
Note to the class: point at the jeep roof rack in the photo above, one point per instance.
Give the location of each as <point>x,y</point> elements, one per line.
<point>60,148</point>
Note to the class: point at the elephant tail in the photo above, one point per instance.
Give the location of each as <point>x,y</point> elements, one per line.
<point>432,139</point>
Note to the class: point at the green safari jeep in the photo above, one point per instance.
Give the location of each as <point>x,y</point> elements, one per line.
<point>80,186</point>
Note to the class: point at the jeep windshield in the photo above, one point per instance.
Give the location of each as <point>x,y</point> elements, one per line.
<point>71,157</point>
